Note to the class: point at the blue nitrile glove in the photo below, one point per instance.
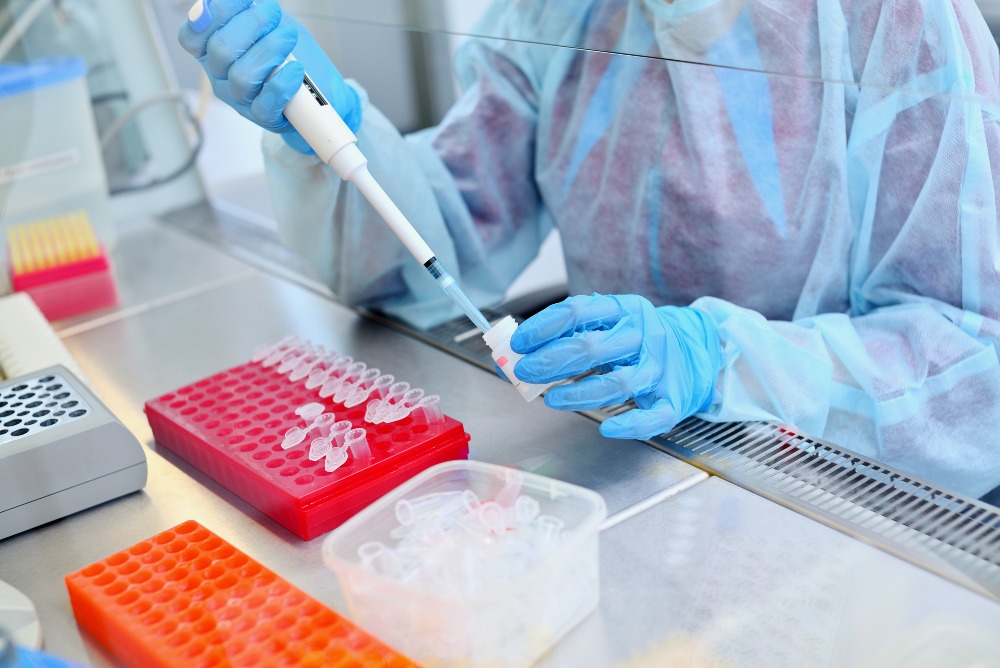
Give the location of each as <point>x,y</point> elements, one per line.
<point>243,43</point>
<point>667,359</point>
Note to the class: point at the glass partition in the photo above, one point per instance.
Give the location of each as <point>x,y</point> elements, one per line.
<point>866,44</point>
<point>819,177</point>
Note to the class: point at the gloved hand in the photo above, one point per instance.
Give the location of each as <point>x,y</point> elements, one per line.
<point>667,359</point>
<point>244,43</point>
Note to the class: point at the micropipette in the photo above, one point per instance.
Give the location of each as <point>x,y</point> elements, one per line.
<point>324,130</point>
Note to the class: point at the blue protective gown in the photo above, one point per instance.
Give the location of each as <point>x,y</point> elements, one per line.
<point>840,226</point>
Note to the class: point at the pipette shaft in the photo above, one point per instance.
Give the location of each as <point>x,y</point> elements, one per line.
<point>325,131</point>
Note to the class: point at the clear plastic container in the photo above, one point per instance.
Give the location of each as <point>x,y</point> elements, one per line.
<point>50,159</point>
<point>508,621</point>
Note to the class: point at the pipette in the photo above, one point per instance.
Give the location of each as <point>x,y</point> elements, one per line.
<point>324,130</point>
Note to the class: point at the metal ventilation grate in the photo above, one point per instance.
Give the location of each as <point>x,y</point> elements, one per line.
<point>956,536</point>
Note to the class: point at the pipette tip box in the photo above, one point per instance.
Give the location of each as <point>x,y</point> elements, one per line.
<point>185,597</point>
<point>60,262</point>
<point>231,426</point>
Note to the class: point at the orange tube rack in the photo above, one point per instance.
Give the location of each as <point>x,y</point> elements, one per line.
<point>185,597</point>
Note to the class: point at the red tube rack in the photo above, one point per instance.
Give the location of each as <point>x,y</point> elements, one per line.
<point>185,597</point>
<point>231,425</point>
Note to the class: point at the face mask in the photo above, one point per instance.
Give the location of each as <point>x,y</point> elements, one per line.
<point>690,27</point>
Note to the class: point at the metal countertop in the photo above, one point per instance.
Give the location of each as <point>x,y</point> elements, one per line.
<point>689,564</point>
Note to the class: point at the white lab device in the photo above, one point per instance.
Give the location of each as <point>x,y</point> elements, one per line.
<point>61,451</point>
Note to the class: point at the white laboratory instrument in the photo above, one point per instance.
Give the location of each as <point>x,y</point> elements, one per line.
<point>61,451</point>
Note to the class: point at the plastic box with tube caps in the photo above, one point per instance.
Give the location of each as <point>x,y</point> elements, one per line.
<point>483,565</point>
<point>50,159</point>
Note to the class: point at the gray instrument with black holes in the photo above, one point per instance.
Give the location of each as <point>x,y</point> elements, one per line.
<point>61,451</point>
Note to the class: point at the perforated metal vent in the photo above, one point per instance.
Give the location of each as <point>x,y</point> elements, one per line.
<point>954,535</point>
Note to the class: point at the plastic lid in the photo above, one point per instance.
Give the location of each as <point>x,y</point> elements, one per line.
<point>500,333</point>
<point>17,78</point>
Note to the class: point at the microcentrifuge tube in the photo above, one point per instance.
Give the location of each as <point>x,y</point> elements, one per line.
<point>338,430</point>
<point>511,488</point>
<point>491,517</point>
<point>430,409</point>
<point>294,436</point>
<point>303,368</point>
<point>319,447</point>
<point>370,550</point>
<point>362,388</point>
<point>396,391</point>
<point>336,377</point>
<point>549,527</point>
<point>290,362</point>
<point>412,397</point>
<point>268,349</point>
<point>356,440</point>
<point>351,376</point>
<point>381,385</point>
<point>277,356</point>
<point>526,509</point>
<point>324,423</point>
<point>335,458</point>
<point>439,504</point>
<point>318,376</point>
<point>310,411</point>
<point>373,411</point>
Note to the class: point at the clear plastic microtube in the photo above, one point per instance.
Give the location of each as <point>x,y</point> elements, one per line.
<point>310,411</point>
<point>303,368</point>
<point>368,551</point>
<point>351,376</point>
<point>335,376</point>
<point>382,384</point>
<point>324,423</point>
<point>265,351</point>
<point>438,505</point>
<point>336,458</point>
<point>526,509</point>
<point>373,411</point>
<point>294,436</point>
<point>491,516</point>
<point>511,488</point>
<point>412,397</point>
<point>319,447</point>
<point>290,362</point>
<point>329,387</point>
<point>396,391</point>
<point>362,388</point>
<point>549,527</point>
<point>356,440</point>
<point>339,430</point>
<point>278,356</point>
<point>318,376</point>
<point>430,409</point>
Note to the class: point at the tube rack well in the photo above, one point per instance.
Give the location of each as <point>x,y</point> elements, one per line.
<point>231,426</point>
<point>185,597</point>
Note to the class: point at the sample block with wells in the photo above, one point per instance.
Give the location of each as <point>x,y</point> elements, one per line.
<point>306,436</point>
<point>185,597</point>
